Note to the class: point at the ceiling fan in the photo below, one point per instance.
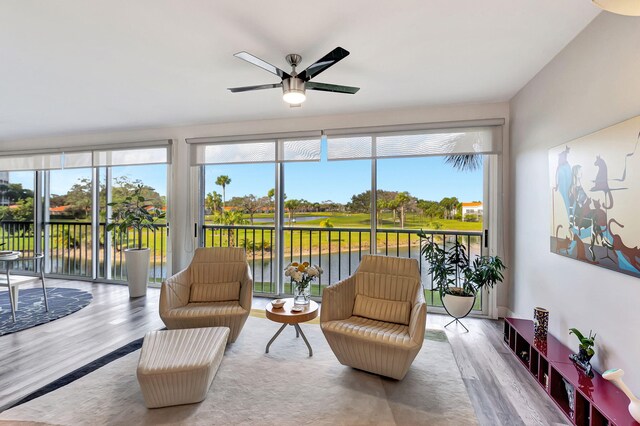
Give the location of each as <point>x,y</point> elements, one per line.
<point>295,84</point>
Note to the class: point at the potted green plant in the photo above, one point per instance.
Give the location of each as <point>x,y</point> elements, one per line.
<point>456,277</point>
<point>586,352</point>
<point>135,213</point>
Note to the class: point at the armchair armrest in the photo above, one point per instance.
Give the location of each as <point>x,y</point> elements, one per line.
<point>337,300</point>
<point>418,319</point>
<point>246,290</point>
<point>174,292</point>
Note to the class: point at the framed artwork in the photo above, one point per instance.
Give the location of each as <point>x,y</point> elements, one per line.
<point>595,198</point>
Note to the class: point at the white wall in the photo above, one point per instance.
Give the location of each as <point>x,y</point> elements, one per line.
<point>593,83</point>
<point>182,224</point>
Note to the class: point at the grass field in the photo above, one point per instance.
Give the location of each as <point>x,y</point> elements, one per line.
<point>308,236</point>
<point>300,238</point>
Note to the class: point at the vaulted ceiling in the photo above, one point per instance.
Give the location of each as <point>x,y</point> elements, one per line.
<point>71,66</point>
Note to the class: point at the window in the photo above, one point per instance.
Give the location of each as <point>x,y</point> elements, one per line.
<point>70,206</point>
<point>17,231</point>
<point>327,217</point>
<point>239,210</point>
<point>355,192</point>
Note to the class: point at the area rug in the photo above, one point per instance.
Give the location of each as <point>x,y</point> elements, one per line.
<point>284,387</point>
<point>31,311</point>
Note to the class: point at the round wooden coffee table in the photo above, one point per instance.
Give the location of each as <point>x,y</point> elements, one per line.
<point>286,317</point>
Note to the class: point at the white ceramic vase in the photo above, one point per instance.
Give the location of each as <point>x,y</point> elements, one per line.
<point>137,271</point>
<point>458,306</point>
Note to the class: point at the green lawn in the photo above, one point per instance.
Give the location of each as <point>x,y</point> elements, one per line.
<point>299,239</point>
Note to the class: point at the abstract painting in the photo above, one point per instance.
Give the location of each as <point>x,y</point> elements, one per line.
<point>595,198</point>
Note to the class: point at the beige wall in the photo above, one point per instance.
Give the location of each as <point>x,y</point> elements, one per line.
<point>593,83</point>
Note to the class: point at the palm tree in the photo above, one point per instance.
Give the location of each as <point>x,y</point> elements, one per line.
<point>464,162</point>
<point>212,201</point>
<point>292,206</point>
<point>401,200</point>
<point>223,181</point>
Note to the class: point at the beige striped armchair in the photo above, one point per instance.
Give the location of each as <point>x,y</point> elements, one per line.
<point>375,320</point>
<point>214,291</point>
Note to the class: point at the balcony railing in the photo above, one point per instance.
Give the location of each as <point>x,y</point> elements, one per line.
<point>69,249</point>
<point>338,251</point>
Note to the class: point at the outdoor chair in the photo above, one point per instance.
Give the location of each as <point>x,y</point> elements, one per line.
<point>214,291</point>
<point>13,281</point>
<point>375,320</point>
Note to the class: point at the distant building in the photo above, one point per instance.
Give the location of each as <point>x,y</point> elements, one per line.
<point>4,180</point>
<point>58,211</point>
<point>472,210</point>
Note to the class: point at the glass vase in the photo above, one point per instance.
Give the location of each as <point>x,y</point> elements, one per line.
<point>301,295</point>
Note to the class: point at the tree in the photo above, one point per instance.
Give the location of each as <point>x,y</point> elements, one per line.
<point>431,209</point>
<point>402,199</point>
<point>292,206</point>
<point>78,198</point>
<point>251,205</point>
<point>464,162</point>
<point>271,193</point>
<point>360,203</point>
<point>449,204</point>
<point>23,210</point>
<point>223,181</point>
<point>393,205</point>
<point>14,192</point>
<point>213,202</point>
<point>125,187</point>
<point>233,217</point>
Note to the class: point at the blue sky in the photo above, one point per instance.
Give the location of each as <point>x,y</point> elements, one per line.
<point>426,178</point>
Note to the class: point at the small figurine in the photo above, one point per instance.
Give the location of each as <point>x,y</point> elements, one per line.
<point>615,375</point>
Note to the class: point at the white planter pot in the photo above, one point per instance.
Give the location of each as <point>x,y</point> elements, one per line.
<point>458,306</point>
<point>137,271</point>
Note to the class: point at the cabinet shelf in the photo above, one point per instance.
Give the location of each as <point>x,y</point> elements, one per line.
<point>593,401</point>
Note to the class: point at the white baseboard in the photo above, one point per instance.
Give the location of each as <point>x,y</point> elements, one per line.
<point>504,312</point>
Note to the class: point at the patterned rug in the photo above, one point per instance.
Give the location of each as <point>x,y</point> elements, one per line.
<point>31,311</point>
<point>284,387</point>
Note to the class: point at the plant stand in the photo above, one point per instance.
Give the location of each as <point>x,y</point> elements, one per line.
<point>457,314</point>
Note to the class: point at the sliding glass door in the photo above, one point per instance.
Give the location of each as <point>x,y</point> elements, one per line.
<point>336,199</point>
<point>60,208</point>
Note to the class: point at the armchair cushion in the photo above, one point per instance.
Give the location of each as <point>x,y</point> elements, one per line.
<point>214,292</point>
<point>370,330</point>
<point>393,311</point>
<point>195,311</point>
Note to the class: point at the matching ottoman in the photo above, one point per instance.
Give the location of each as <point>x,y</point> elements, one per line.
<point>177,366</point>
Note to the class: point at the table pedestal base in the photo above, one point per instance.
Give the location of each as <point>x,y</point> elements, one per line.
<point>298,334</point>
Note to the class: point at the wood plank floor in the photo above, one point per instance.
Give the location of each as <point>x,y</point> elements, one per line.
<point>500,389</point>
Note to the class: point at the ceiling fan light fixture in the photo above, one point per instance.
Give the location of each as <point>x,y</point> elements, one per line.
<point>294,97</point>
<point>620,7</point>
<point>293,91</point>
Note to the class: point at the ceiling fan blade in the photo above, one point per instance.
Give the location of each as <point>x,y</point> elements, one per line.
<point>323,63</point>
<point>262,64</point>
<point>324,87</point>
<point>259,87</point>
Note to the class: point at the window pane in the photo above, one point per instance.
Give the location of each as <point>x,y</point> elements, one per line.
<point>125,180</point>
<point>68,229</point>
<point>16,214</point>
<point>429,194</point>
<point>327,217</point>
<point>239,210</point>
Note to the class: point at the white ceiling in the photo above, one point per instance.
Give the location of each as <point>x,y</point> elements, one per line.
<point>70,66</point>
